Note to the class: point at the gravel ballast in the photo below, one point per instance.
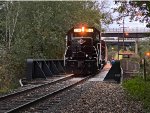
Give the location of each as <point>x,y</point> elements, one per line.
<point>90,97</point>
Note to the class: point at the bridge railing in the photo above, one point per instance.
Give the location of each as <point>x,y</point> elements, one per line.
<point>128,30</point>
<point>116,39</point>
<point>120,38</point>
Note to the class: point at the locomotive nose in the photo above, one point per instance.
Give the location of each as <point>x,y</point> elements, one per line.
<point>84,50</point>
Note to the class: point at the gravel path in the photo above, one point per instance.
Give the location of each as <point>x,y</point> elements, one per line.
<point>90,97</point>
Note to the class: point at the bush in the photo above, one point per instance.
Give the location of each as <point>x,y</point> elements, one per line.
<point>139,89</point>
<point>8,76</point>
<point>135,58</point>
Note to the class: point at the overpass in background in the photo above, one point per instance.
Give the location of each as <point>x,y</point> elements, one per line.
<point>129,32</point>
<point>120,40</point>
<point>131,36</point>
<point>127,42</point>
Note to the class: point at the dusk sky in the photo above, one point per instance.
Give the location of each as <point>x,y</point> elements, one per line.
<point>133,24</point>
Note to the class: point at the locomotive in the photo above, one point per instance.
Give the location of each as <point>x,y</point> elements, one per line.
<point>85,52</point>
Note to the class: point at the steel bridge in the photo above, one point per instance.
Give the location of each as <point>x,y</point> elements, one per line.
<point>129,32</point>
<point>120,42</point>
<point>128,37</point>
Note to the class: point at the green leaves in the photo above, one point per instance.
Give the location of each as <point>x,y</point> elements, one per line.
<point>136,10</point>
<point>37,30</point>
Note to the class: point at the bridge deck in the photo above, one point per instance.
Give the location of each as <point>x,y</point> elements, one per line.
<point>132,33</point>
<point>133,41</point>
<point>100,76</point>
<point>128,30</point>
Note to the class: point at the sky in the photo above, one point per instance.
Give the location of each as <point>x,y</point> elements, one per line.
<point>127,24</point>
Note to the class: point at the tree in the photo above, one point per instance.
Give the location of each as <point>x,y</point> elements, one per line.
<point>136,10</point>
<point>37,30</point>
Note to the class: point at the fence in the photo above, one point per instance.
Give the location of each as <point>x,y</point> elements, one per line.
<point>130,67</point>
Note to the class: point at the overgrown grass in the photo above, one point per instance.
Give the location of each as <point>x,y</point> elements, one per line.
<point>9,87</point>
<point>139,89</point>
<point>4,90</point>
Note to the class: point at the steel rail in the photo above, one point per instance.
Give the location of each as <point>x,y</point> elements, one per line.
<point>27,105</point>
<point>27,90</point>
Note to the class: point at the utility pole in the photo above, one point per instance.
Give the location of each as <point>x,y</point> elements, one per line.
<point>123,33</point>
<point>147,55</point>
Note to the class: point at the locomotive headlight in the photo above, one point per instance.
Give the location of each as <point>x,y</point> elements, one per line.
<point>82,29</point>
<point>89,30</point>
<point>70,57</point>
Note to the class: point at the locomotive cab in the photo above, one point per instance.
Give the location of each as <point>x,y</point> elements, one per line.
<point>82,54</point>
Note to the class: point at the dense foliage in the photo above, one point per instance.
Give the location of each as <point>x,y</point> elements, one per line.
<point>37,30</point>
<point>139,90</point>
<point>143,48</point>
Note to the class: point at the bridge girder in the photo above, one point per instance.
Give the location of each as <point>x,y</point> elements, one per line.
<point>130,35</point>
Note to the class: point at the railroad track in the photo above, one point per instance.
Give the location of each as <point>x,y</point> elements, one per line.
<point>12,103</point>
